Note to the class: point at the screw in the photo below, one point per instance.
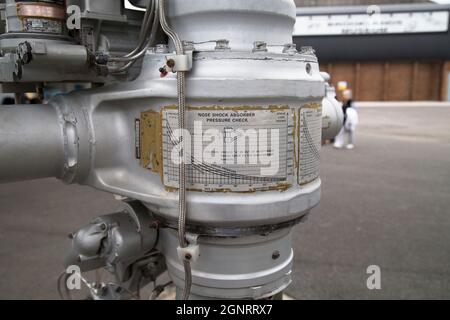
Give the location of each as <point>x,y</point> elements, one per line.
<point>188,256</point>
<point>290,48</point>
<point>276,255</point>
<point>170,63</point>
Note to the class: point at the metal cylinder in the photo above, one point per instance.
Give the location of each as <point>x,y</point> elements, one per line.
<point>240,22</point>
<point>120,143</point>
<point>31,143</point>
<point>68,57</point>
<point>332,114</point>
<point>251,267</point>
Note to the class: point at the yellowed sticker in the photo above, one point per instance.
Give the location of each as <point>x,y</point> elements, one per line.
<point>150,141</point>
<point>157,142</point>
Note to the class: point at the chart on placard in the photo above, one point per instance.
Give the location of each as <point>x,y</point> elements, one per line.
<point>310,143</point>
<point>231,149</point>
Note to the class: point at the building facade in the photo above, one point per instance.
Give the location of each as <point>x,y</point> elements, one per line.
<point>398,53</point>
<point>324,3</point>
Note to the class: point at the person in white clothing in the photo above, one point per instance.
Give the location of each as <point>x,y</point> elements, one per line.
<point>346,138</point>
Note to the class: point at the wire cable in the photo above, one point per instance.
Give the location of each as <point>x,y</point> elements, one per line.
<point>146,38</point>
<point>181,90</point>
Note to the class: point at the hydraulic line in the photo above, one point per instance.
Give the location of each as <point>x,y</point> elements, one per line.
<point>143,37</point>
<point>150,43</point>
<point>181,88</point>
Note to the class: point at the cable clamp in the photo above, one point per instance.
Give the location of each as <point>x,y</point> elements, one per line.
<point>179,62</point>
<point>192,251</point>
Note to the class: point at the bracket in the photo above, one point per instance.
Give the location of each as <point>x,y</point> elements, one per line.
<point>179,62</point>
<point>192,251</point>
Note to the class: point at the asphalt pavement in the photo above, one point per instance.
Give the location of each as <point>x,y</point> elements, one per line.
<point>385,203</point>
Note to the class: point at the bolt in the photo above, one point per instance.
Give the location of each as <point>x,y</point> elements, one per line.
<point>170,63</point>
<point>290,48</point>
<point>259,46</point>
<point>188,256</point>
<point>24,51</point>
<point>275,255</point>
<point>101,58</point>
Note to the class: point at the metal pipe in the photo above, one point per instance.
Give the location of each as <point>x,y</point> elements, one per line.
<point>31,143</point>
<point>148,33</point>
<point>68,55</point>
<point>141,48</point>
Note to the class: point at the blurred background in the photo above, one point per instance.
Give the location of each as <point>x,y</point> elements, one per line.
<point>403,58</point>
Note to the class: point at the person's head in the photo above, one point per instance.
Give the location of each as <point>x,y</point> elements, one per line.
<point>347,95</point>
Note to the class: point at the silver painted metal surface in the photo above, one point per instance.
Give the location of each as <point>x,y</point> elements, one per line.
<point>225,270</point>
<point>70,54</point>
<point>122,243</point>
<point>104,121</point>
<point>105,125</point>
<point>242,57</point>
<point>240,22</point>
<point>31,142</point>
